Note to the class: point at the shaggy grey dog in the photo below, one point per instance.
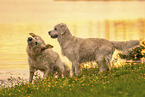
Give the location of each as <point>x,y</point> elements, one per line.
<point>41,57</point>
<point>79,50</point>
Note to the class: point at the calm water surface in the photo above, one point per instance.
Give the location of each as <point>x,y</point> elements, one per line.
<point>85,19</point>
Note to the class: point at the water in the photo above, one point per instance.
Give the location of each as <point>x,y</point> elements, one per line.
<point>110,20</point>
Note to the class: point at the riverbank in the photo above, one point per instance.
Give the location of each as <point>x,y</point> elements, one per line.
<point>7,74</point>
<point>7,77</point>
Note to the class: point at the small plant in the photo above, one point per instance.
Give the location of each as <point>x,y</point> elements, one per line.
<point>136,53</point>
<point>1,82</point>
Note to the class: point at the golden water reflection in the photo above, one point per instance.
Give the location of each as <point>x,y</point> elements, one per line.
<point>14,37</point>
<point>110,20</point>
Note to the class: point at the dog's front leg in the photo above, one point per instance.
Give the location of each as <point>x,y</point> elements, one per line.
<point>31,75</point>
<point>75,68</point>
<point>32,69</point>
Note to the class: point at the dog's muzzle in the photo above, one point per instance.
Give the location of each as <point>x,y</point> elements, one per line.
<point>49,32</point>
<point>52,36</point>
<point>29,39</point>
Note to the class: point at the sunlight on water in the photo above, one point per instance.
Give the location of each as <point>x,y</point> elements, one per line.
<point>14,38</point>
<point>84,19</point>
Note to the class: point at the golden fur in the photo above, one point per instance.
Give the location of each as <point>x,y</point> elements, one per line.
<point>42,57</point>
<point>79,50</point>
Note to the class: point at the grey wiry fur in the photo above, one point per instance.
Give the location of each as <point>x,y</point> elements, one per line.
<point>41,57</point>
<point>79,50</point>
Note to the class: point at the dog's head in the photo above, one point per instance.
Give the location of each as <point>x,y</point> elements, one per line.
<point>37,43</point>
<point>59,30</point>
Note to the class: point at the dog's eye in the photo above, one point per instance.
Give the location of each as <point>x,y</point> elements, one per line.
<point>55,29</point>
<point>36,43</point>
<point>35,38</point>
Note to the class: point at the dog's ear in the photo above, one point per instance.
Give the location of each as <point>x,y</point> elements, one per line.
<point>46,47</point>
<point>63,28</point>
<point>33,35</point>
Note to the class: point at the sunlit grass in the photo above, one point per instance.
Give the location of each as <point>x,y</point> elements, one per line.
<point>126,80</point>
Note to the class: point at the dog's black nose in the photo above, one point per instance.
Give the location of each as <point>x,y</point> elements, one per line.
<point>49,32</point>
<point>29,38</point>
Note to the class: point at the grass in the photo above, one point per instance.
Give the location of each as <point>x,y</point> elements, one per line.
<point>125,81</point>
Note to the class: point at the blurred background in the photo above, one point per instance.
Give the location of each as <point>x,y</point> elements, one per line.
<point>113,20</point>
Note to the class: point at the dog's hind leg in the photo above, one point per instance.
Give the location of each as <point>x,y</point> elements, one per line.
<point>103,58</point>
<point>103,62</point>
<point>108,59</point>
<point>103,66</point>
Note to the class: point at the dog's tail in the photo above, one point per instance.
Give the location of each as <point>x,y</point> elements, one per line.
<point>125,45</point>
